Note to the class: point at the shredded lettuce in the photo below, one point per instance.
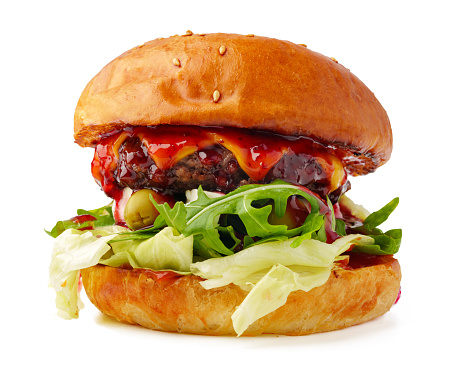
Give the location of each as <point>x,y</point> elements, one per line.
<point>270,293</point>
<point>271,271</point>
<point>75,250</point>
<point>166,250</point>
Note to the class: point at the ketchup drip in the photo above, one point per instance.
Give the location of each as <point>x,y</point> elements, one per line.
<point>164,275</point>
<point>104,164</point>
<point>362,260</point>
<point>258,154</point>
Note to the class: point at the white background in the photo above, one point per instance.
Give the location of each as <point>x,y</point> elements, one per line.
<point>403,50</point>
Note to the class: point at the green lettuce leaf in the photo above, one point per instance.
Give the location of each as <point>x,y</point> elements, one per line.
<point>103,217</point>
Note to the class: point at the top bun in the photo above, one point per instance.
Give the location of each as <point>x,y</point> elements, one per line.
<point>237,81</point>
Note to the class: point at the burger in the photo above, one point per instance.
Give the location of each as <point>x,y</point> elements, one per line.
<point>227,160</point>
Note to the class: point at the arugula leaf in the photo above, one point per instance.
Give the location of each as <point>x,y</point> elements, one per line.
<point>203,214</point>
<point>340,227</point>
<point>378,217</point>
<point>386,243</point>
<point>216,222</point>
<point>268,240</point>
<point>229,237</point>
<point>202,249</point>
<point>173,216</point>
<point>313,223</point>
<point>247,241</point>
<point>321,235</point>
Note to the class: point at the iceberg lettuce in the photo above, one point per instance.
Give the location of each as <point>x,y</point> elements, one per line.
<point>166,250</point>
<point>270,293</point>
<point>271,271</point>
<point>75,250</point>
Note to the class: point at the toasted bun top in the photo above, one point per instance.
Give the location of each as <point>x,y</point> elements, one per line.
<point>262,83</point>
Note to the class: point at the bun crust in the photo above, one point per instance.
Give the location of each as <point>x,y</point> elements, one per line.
<point>263,83</point>
<point>136,296</point>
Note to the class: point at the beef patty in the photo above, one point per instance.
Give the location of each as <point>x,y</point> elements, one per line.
<point>215,169</point>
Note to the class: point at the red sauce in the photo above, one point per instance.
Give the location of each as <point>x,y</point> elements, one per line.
<point>362,260</point>
<point>164,275</point>
<point>104,164</point>
<point>256,153</point>
<point>156,275</point>
<point>79,219</point>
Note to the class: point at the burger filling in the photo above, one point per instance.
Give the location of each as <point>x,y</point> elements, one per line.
<point>263,211</point>
<point>174,159</point>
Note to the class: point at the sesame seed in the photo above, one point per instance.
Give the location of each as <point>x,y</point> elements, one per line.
<point>187,34</point>
<point>222,50</point>
<point>336,61</point>
<point>302,44</point>
<point>216,96</point>
<point>176,62</point>
<point>249,35</point>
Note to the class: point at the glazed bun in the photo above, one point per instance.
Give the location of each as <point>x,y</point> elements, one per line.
<point>237,81</point>
<point>181,304</point>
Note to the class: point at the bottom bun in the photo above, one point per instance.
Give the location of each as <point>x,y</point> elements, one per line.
<point>168,302</point>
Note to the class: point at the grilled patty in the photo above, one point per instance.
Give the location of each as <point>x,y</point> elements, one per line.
<point>215,169</point>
